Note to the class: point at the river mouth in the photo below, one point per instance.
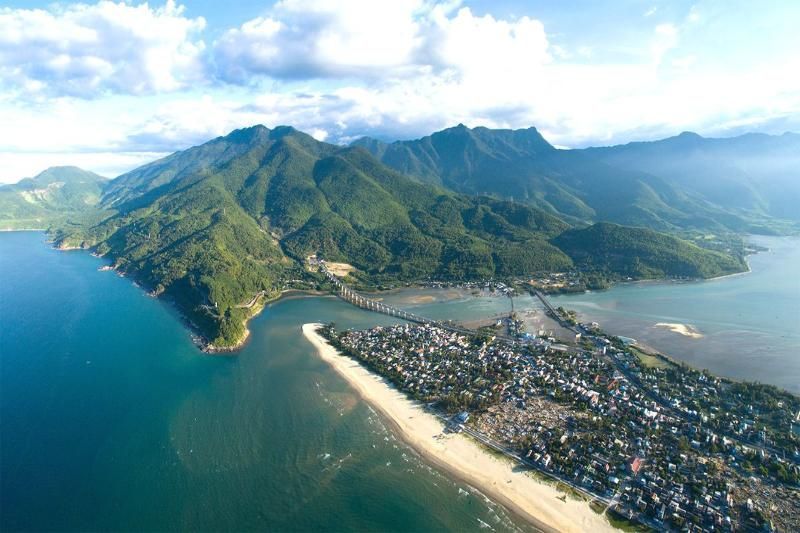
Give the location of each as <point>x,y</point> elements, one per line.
<point>112,419</point>
<point>743,327</point>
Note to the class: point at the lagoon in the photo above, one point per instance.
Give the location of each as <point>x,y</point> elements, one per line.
<point>743,326</point>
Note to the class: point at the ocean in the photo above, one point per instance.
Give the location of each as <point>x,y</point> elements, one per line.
<point>111,419</point>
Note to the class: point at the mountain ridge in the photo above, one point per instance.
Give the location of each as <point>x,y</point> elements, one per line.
<point>233,220</point>
<point>574,184</point>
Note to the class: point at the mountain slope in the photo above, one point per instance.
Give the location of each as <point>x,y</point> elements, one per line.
<point>214,225</point>
<point>753,172</point>
<point>579,185</point>
<point>53,194</point>
<point>220,227</point>
<point>643,253</point>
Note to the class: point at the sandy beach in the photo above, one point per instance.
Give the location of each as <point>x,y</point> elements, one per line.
<point>687,330</point>
<point>521,493</point>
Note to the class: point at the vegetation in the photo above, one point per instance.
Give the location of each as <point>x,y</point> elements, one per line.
<point>745,184</point>
<point>643,253</point>
<point>754,174</point>
<point>53,195</point>
<point>217,224</point>
<point>223,226</point>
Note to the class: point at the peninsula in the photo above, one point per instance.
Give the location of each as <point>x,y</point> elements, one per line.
<point>536,501</point>
<point>649,441</point>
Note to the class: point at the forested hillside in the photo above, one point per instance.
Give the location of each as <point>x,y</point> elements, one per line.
<point>212,226</point>
<point>221,227</point>
<point>753,173</point>
<point>49,196</point>
<point>643,253</point>
<point>671,185</point>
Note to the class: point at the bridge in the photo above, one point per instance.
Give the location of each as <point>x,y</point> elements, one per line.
<point>553,312</point>
<point>346,293</point>
<point>359,300</point>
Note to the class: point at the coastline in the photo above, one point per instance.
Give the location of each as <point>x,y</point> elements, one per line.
<point>261,303</point>
<point>742,273</point>
<point>536,502</point>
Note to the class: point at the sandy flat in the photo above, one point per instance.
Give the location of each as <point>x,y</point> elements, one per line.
<point>339,269</point>
<point>686,330</point>
<point>464,458</point>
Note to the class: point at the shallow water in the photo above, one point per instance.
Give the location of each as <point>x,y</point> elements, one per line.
<point>112,419</point>
<point>748,325</point>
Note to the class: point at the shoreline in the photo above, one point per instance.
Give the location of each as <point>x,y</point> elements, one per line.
<point>261,303</point>
<point>532,500</point>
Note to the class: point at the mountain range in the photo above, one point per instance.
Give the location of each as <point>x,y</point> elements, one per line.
<point>685,182</point>
<point>222,227</point>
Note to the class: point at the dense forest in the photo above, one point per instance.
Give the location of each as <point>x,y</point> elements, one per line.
<point>643,253</point>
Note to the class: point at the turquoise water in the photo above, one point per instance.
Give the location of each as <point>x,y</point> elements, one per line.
<point>111,419</point>
<point>750,324</point>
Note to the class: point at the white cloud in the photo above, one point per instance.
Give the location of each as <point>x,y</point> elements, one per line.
<point>86,50</point>
<point>376,41</point>
<point>338,70</point>
<point>321,38</point>
<point>666,38</point>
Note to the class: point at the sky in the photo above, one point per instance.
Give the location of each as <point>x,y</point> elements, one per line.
<point>111,85</point>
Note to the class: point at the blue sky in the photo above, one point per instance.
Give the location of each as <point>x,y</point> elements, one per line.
<point>111,85</point>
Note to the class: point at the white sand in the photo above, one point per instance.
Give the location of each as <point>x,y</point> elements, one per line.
<point>686,330</point>
<point>461,456</point>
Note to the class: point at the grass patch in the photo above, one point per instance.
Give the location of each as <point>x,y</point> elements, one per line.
<point>624,524</point>
<point>649,360</point>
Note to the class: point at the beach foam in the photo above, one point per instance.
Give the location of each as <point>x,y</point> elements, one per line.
<point>461,456</point>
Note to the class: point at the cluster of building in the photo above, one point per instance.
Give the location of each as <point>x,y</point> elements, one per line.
<point>487,285</point>
<point>557,281</point>
<point>659,445</point>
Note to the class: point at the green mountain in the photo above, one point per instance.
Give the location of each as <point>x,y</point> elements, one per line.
<point>753,173</point>
<point>579,185</point>
<point>50,196</point>
<point>212,226</point>
<point>221,227</point>
<point>643,253</point>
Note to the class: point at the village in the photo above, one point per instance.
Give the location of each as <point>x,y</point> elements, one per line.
<point>658,443</point>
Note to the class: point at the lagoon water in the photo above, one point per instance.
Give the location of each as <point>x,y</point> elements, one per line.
<point>110,418</point>
<point>749,324</point>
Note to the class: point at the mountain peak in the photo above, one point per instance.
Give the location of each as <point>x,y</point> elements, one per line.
<point>689,135</point>
<point>249,134</point>
<point>282,131</point>
<point>65,173</point>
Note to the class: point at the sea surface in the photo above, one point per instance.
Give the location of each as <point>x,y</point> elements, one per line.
<point>111,419</point>
<point>748,325</point>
